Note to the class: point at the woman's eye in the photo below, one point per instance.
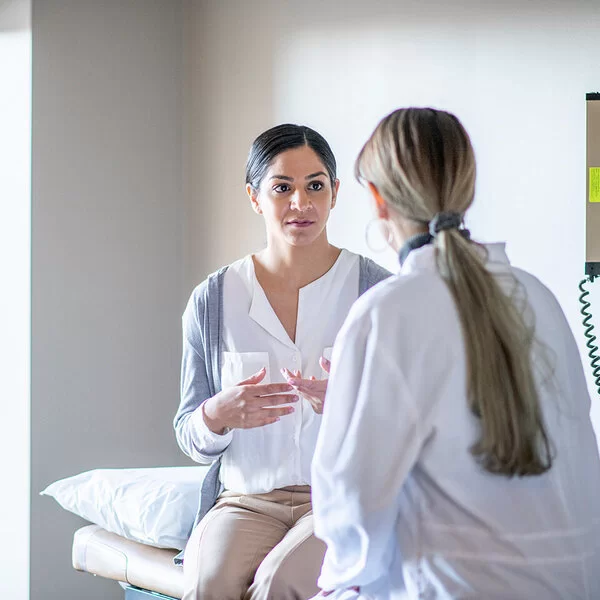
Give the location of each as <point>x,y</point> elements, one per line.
<point>316,186</point>
<point>281,188</point>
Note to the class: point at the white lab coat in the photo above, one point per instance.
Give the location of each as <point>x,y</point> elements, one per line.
<point>396,493</point>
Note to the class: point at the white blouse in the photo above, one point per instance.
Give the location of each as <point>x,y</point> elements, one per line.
<point>396,493</point>
<point>262,459</point>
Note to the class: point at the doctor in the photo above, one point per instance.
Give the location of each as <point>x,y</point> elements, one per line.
<point>456,458</point>
<point>267,318</point>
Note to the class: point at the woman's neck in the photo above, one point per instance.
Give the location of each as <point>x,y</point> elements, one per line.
<point>293,267</point>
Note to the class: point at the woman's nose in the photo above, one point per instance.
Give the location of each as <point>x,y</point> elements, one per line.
<point>300,200</point>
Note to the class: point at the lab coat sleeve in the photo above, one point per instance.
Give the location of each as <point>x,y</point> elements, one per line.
<point>193,435</point>
<point>368,443</point>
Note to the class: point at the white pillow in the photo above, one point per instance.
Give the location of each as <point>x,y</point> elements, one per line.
<point>153,506</point>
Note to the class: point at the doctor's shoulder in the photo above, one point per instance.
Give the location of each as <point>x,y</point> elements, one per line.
<point>397,298</point>
<point>539,296</point>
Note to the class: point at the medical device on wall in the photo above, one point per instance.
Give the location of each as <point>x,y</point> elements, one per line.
<point>592,225</point>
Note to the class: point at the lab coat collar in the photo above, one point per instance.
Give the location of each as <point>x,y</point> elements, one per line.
<point>424,258</point>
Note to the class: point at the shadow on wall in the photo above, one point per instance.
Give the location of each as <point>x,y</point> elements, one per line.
<point>13,16</point>
<point>230,54</point>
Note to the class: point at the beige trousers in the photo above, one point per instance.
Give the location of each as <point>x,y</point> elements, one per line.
<point>255,547</point>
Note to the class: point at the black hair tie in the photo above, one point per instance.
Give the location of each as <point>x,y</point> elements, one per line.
<point>440,222</point>
<point>444,221</point>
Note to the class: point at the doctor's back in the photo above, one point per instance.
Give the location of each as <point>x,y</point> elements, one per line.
<point>470,530</point>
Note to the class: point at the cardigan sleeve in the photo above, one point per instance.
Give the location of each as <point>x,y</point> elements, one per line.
<point>193,436</point>
<point>370,274</point>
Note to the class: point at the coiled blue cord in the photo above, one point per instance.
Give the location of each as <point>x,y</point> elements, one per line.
<point>589,328</point>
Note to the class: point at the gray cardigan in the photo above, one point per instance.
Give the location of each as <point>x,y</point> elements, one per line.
<point>201,364</point>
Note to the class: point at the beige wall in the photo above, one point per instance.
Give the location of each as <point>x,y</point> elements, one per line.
<point>107,257</point>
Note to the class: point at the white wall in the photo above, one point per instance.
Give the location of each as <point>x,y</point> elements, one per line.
<point>107,257</point>
<point>15,224</point>
<point>515,73</point>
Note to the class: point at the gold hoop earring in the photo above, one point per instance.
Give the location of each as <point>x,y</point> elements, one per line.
<point>386,238</point>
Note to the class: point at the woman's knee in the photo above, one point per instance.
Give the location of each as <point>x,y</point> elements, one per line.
<point>224,552</point>
<point>207,567</point>
<point>292,576</point>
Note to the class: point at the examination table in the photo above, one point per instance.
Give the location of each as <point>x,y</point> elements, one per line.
<point>143,571</point>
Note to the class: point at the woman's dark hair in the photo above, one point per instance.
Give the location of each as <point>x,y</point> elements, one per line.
<point>276,140</point>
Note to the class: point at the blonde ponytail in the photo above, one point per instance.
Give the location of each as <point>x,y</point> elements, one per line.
<point>422,163</point>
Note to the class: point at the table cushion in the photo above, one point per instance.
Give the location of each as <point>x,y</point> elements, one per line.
<point>100,552</point>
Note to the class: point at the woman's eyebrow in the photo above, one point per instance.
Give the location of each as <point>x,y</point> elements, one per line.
<point>311,176</point>
<point>317,174</point>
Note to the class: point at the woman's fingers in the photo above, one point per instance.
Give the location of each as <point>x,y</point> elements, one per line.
<point>270,388</point>
<point>265,416</point>
<point>309,386</point>
<point>274,400</point>
<point>254,379</point>
<point>287,373</point>
<point>325,364</point>
<point>275,411</point>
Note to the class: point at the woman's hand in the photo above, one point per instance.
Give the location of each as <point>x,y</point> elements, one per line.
<point>248,404</point>
<point>312,389</point>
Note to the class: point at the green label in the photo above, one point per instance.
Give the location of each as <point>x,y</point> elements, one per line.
<point>594,184</point>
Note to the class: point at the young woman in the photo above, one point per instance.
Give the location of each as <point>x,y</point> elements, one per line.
<point>257,335</point>
<point>456,458</point>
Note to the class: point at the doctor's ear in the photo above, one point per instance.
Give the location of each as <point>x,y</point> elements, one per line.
<point>382,209</point>
<point>253,195</point>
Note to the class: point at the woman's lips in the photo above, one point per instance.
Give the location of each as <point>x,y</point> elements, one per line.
<point>300,223</point>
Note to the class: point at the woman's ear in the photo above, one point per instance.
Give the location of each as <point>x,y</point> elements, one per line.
<point>382,209</point>
<point>336,188</point>
<point>253,195</point>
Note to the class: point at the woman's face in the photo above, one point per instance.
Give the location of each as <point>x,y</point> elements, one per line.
<point>295,197</point>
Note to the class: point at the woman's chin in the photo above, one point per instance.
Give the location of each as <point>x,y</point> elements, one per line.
<point>301,238</point>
